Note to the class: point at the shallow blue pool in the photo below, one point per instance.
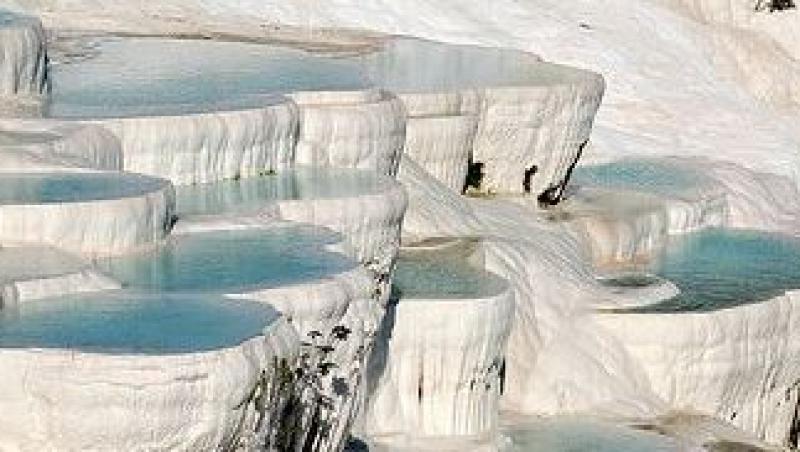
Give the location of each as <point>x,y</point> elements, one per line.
<point>158,76</point>
<point>254,192</point>
<point>227,261</point>
<point>721,268</point>
<point>644,175</point>
<point>143,76</point>
<point>442,274</point>
<point>44,188</point>
<point>122,322</point>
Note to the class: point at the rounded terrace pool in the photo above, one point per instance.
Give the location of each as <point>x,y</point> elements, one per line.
<point>225,261</point>
<point>52,188</point>
<point>122,322</point>
<point>252,193</point>
<point>445,273</point>
<point>721,268</point>
<point>124,76</point>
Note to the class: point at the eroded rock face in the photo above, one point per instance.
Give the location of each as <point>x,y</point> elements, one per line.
<point>23,65</point>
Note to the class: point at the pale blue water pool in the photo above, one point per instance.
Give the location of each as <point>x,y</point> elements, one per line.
<point>254,192</point>
<point>123,322</point>
<point>442,274</point>
<point>575,435</point>
<point>721,268</point>
<point>142,76</point>
<point>158,76</point>
<point>47,188</point>
<point>644,175</point>
<point>225,261</point>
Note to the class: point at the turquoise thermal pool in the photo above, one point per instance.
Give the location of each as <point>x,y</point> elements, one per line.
<point>252,193</point>
<point>154,76</point>
<point>127,323</point>
<point>226,261</point>
<point>122,77</point>
<point>648,176</point>
<point>48,188</point>
<point>576,435</point>
<point>443,274</point>
<point>720,268</point>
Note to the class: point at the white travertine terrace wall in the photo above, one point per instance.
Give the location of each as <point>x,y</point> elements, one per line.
<point>443,363</point>
<point>544,126</point>
<point>738,364</point>
<point>442,145</point>
<point>35,145</point>
<point>456,102</point>
<point>23,65</point>
<point>620,227</point>
<point>556,361</point>
<point>71,400</point>
<point>344,300</point>
<point>94,227</point>
<point>355,129</point>
<point>32,273</point>
<point>350,299</point>
<point>370,224</point>
<point>206,147</point>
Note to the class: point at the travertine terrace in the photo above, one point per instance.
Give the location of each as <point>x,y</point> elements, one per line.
<point>223,233</point>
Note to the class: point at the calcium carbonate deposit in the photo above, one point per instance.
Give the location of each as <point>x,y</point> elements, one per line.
<point>434,225</point>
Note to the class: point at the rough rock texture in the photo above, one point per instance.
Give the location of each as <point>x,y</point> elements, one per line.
<point>94,227</point>
<point>208,147</point>
<point>23,62</point>
<point>362,129</point>
<point>69,400</point>
<point>35,145</point>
